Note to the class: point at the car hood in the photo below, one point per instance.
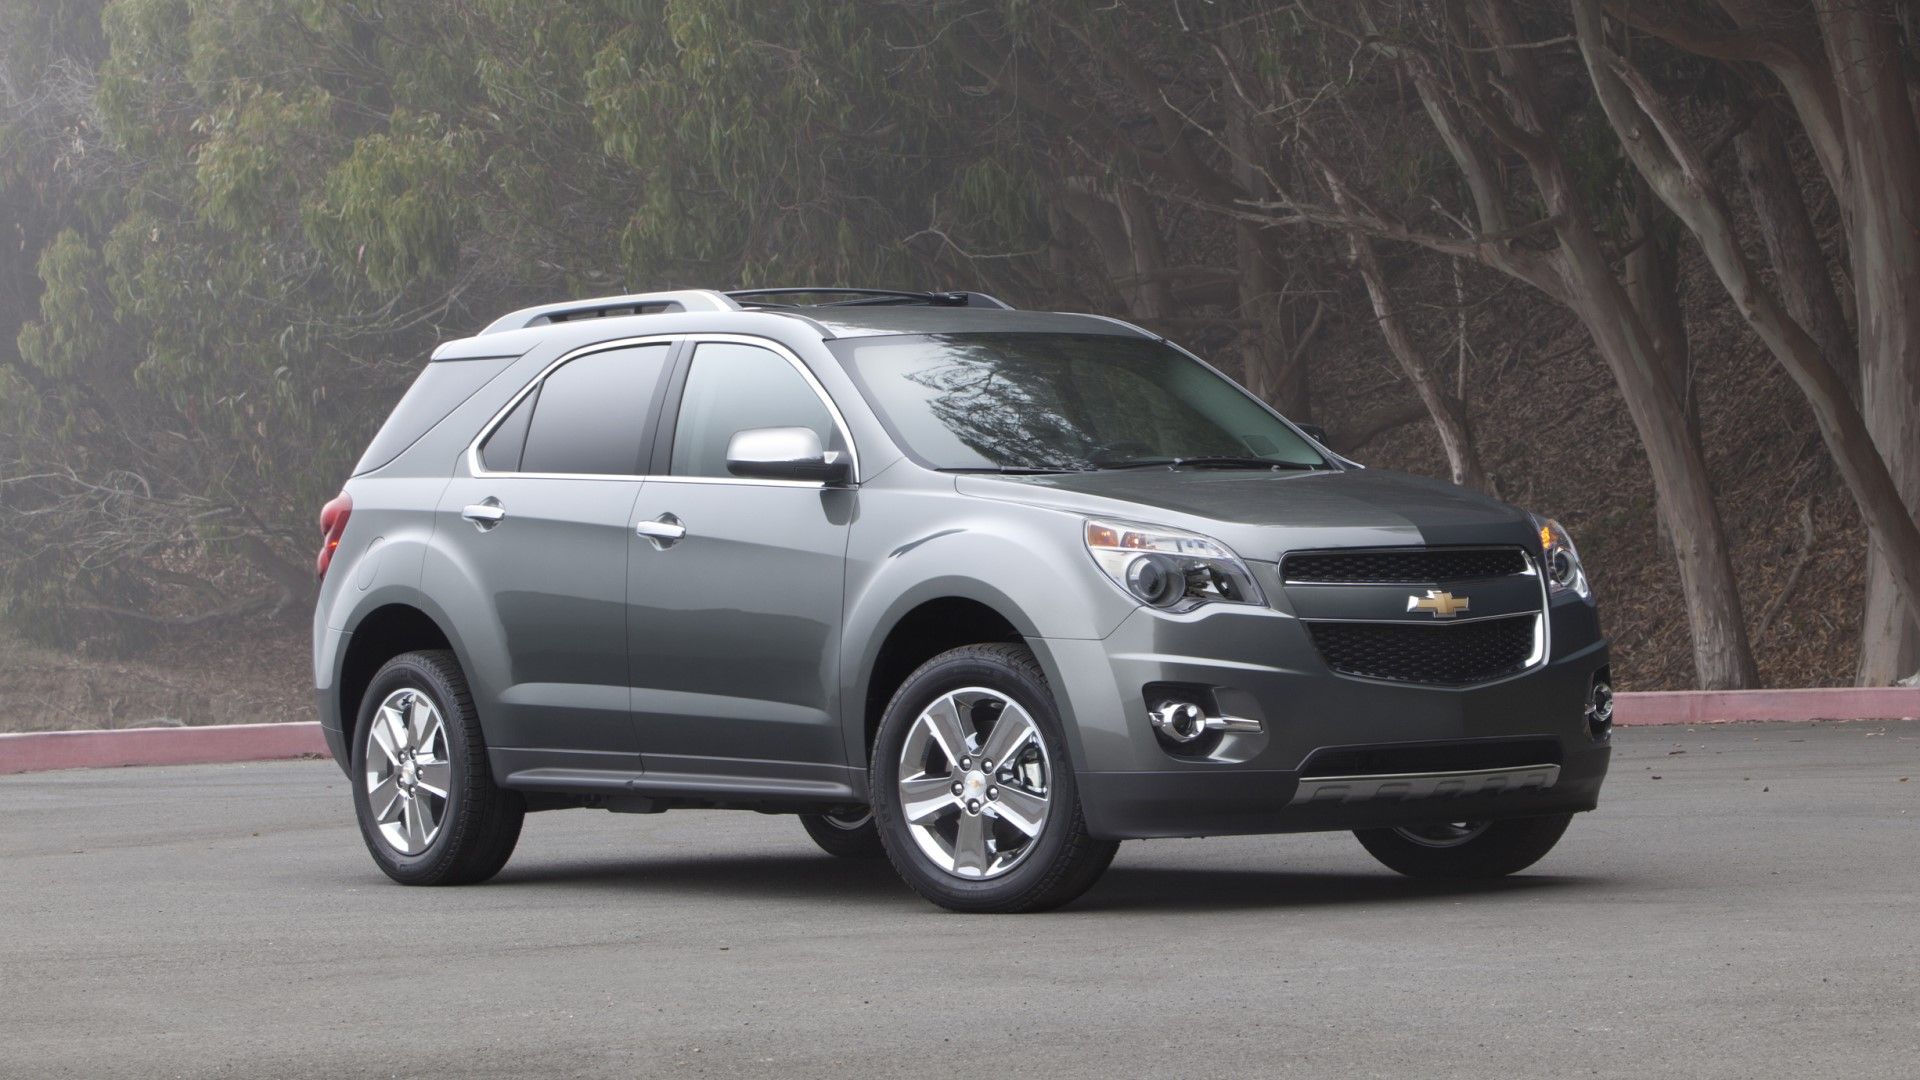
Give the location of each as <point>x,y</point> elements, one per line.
<point>1263,514</point>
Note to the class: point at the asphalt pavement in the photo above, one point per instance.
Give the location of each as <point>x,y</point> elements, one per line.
<point>1745,903</point>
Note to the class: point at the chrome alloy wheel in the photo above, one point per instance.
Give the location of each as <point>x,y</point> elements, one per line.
<point>975,783</point>
<point>1451,834</point>
<point>408,771</point>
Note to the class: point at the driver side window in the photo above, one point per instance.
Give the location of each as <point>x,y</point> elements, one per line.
<point>733,387</point>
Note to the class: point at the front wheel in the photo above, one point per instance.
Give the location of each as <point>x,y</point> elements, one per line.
<point>1465,849</point>
<point>973,790</point>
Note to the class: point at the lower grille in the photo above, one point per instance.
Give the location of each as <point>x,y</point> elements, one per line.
<point>1449,756</point>
<point>1451,655</point>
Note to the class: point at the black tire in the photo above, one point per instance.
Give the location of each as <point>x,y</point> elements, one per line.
<point>1061,861</point>
<point>846,836</point>
<point>1501,848</point>
<point>479,821</point>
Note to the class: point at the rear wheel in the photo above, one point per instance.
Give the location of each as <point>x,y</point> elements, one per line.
<point>1465,849</point>
<point>425,798</point>
<point>973,790</point>
<point>846,835</point>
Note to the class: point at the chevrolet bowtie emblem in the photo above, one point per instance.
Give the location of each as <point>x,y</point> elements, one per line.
<point>1444,605</point>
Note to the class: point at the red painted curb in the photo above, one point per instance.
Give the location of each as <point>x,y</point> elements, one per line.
<point>1731,706</point>
<point>38,751</point>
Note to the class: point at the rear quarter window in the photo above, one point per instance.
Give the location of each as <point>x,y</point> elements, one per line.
<point>590,418</point>
<point>440,389</point>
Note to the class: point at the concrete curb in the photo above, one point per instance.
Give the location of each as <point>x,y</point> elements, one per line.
<point>1732,706</point>
<point>39,751</point>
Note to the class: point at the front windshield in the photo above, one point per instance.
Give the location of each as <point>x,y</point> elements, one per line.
<point>1046,402</point>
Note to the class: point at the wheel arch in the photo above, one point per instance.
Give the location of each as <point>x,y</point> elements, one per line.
<point>956,582</point>
<point>923,631</point>
<point>382,633</point>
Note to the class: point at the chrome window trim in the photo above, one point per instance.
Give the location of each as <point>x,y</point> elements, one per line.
<point>478,470</point>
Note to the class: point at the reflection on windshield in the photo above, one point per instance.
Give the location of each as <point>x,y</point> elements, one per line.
<point>1062,401</point>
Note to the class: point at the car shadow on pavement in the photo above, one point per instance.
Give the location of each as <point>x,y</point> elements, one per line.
<point>809,877</point>
<point>1173,889</point>
<point>800,876</point>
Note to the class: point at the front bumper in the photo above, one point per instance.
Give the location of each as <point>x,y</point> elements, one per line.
<point>1315,724</point>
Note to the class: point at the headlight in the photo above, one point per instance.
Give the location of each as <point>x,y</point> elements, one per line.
<point>1559,559</point>
<point>1169,569</point>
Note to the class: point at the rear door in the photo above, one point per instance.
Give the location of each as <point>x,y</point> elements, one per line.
<point>734,627</point>
<point>536,529</point>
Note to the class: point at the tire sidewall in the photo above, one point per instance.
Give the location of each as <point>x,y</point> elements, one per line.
<point>410,673</point>
<point>834,837</point>
<point>1507,846</point>
<point>939,676</point>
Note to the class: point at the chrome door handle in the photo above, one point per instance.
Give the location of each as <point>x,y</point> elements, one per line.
<point>485,514</point>
<point>663,530</point>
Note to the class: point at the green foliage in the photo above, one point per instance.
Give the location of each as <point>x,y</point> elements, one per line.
<point>394,207</point>
<point>292,199</point>
<point>70,336</point>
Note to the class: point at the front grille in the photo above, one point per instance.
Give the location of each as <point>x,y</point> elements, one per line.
<point>1450,655</point>
<point>1413,566</point>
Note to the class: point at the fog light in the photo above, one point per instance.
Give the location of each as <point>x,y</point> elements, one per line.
<point>1600,706</point>
<point>1178,721</point>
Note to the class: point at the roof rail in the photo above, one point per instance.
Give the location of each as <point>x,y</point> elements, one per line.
<point>860,297</point>
<point>655,303</point>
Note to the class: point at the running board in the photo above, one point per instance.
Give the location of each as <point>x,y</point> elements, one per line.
<point>1394,787</point>
<point>741,789</point>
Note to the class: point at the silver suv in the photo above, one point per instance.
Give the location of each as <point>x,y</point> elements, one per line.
<point>979,590</point>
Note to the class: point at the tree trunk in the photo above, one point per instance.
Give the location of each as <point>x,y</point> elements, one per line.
<point>1153,298</point>
<point>1448,413</point>
<point>1662,153</point>
<point>1722,657</point>
<point>1882,150</point>
<point>1652,281</point>
<point>1653,285</point>
<point>1100,217</point>
<point>1799,263</point>
<point>1272,367</point>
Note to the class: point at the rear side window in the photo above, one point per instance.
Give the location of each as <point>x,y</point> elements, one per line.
<point>439,390</point>
<point>590,415</point>
<point>501,453</point>
<point>731,388</point>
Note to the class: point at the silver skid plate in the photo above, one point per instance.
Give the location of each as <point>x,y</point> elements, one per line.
<point>1433,785</point>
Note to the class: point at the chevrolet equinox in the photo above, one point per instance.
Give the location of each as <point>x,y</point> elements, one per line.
<point>978,590</point>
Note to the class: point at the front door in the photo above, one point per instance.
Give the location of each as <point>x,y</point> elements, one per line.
<point>536,539</point>
<point>734,607</point>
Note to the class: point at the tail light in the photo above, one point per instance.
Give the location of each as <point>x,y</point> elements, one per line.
<point>333,522</point>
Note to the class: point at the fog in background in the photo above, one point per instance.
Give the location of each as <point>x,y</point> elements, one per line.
<point>1645,268</point>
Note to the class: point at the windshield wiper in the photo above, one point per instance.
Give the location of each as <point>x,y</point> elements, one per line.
<point>1015,470</point>
<point>1205,462</point>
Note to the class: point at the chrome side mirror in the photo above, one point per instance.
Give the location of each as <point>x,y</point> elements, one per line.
<point>785,453</point>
